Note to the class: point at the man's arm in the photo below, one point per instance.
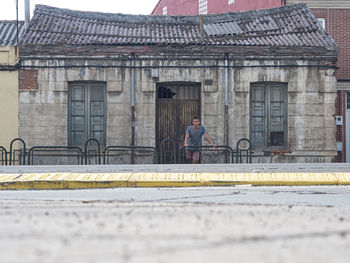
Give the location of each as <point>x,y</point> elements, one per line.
<point>209,140</point>
<point>186,139</point>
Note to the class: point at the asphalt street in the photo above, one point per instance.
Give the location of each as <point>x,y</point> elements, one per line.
<point>221,224</point>
<point>296,195</point>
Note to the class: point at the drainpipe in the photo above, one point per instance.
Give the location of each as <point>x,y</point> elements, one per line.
<point>133,122</point>
<point>201,25</point>
<point>26,13</point>
<point>226,100</point>
<point>16,22</point>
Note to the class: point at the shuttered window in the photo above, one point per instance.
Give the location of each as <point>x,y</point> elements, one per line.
<point>268,115</point>
<point>87,113</point>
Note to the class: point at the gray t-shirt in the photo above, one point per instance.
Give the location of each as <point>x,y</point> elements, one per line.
<point>195,137</point>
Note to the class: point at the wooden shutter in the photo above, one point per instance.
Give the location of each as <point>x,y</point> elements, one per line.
<point>258,126</point>
<point>268,115</point>
<point>77,112</point>
<point>276,129</point>
<point>97,113</point>
<point>87,113</point>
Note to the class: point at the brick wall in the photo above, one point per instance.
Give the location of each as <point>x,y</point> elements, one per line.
<point>190,7</point>
<point>222,6</point>
<point>177,7</point>
<point>28,79</point>
<point>337,25</point>
<point>340,132</point>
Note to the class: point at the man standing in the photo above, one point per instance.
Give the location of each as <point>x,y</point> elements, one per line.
<point>193,139</point>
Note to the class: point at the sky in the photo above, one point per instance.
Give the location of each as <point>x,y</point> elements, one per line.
<point>8,7</point>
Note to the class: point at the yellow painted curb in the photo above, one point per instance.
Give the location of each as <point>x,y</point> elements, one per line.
<point>344,178</point>
<point>111,180</point>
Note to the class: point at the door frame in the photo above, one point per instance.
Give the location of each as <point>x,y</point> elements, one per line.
<point>177,117</point>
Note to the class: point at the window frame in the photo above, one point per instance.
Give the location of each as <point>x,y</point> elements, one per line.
<point>202,7</point>
<point>165,10</point>
<point>322,22</point>
<point>87,87</point>
<point>267,115</point>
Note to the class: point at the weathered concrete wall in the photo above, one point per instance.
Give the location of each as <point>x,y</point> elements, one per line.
<point>44,109</point>
<point>8,97</point>
<point>311,102</point>
<point>311,109</point>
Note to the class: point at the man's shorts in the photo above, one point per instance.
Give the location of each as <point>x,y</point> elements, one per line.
<point>192,155</point>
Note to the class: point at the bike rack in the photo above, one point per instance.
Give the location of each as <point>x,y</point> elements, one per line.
<point>11,160</point>
<point>162,153</point>
<point>98,150</point>
<point>248,151</point>
<point>3,154</point>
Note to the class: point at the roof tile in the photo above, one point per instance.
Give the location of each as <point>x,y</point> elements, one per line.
<point>8,32</point>
<point>291,25</point>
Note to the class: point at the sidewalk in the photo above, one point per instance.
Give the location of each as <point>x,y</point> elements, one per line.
<point>74,177</point>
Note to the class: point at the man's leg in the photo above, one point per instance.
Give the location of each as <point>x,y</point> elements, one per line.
<point>195,157</point>
<point>188,157</point>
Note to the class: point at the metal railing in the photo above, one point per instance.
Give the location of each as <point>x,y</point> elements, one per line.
<point>55,155</point>
<point>94,154</point>
<point>130,155</point>
<point>209,154</point>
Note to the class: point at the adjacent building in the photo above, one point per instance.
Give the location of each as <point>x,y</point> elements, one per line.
<point>335,17</point>
<point>195,7</point>
<point>9,80</point>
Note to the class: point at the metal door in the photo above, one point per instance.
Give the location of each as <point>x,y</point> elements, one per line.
<point>176,105</point>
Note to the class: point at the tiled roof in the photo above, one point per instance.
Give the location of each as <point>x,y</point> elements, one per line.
<point>291,25</point>
<point>8,32</point>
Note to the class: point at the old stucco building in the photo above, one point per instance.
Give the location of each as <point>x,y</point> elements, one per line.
<point>266,75</point>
